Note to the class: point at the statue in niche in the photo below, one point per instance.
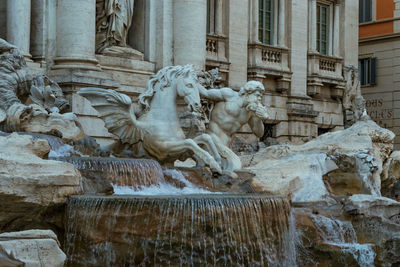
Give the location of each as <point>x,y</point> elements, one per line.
<point>231,111</point>
<point>353,101</point>
<point>113,20</point>
<point>31,103</point>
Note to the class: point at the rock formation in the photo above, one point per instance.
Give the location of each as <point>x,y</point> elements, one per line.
<point>337,163</point>
<point>32,188</point>
<point>31,248</point>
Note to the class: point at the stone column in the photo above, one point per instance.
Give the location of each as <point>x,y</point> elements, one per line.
<point>282,23</point>
<point>164,33</point>
<point>254,21</point>
<point>19,25</point>
<point>218,18</point>
<point>336,31</point>
<point>312,41</point>
<point>76,35</point>
<point>39,30</point>
<point>190,32</point>
<point>275,16</point>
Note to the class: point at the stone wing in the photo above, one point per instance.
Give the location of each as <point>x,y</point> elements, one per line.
<point>116,110</point>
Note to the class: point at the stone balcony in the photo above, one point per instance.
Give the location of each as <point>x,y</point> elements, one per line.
<point>325,71</point>
<point>216,49</point>
<point>265,60</point>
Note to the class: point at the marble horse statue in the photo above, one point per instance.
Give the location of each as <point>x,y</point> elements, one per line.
<point>153,128</point>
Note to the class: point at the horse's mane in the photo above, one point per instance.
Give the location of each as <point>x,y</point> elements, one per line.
<point>161,80</point>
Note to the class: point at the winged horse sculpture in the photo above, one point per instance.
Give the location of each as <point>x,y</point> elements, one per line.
<point>154,124</point>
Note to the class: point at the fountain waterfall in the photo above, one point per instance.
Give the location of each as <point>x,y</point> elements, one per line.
<point>197,230</point>
<point>134,173</point>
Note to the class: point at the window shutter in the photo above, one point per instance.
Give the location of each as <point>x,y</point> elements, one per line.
<point>360,10</point>
<point>373,69</point>
<point>361,71</point>
<point>368,10</point>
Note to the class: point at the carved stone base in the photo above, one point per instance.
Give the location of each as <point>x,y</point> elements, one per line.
<point>71,81</point>
<point>132,74</point>
<point>301,126</point>
<point>124,52</point>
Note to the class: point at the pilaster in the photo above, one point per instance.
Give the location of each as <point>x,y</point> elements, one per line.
<point>190,32</point>
<point>282,23</point>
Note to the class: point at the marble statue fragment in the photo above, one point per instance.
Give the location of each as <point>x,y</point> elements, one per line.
<point>153,129</point>
<point>353,101</point>
<point>113,21</point>
<point>231,111</point>
<point>31,103</point>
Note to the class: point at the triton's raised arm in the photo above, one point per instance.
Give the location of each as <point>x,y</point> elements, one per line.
<point>217,94</point>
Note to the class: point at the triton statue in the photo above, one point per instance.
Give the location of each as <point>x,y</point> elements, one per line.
<point>231,111</point>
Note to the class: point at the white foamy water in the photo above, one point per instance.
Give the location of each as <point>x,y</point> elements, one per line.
<point>61,151</point>
<point>343,235</point>
<point>163,188</point>
<point>64,151</point>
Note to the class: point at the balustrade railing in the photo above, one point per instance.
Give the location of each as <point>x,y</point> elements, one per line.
<point>327,65</point>
<point>271,55</point>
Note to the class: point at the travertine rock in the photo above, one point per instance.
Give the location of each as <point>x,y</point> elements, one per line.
<point>358,152</point>
<point>373,206</point>
<point>391,174</point>
<point>376,220</point>
<point>31,248</point>
<point>32,189</point>
<point>24,173</point>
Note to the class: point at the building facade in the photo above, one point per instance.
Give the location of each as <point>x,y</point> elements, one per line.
<point>299,50</point>
<point>379,57</point>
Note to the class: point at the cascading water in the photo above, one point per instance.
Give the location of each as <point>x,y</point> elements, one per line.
<point>342,234</point>
<point>198,230</point>
<point>164,188</point>
<point>134,173</point>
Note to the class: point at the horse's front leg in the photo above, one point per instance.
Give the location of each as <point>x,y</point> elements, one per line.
<point>179,147</point>
<point>206,140</point>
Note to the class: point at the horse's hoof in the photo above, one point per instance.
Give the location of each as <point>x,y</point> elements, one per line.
<point>216,169</point>
<point>230,174</point>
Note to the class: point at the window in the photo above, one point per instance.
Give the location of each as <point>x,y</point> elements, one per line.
<point>368,71</point>
<point>365,11</point>
<point>265,21</point>
<point>323,28</point>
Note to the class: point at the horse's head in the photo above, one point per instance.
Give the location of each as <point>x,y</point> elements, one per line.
<point>187,87</point>
<point>181,79</point>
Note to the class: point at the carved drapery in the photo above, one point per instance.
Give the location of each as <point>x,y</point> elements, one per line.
<point>113,20</point>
